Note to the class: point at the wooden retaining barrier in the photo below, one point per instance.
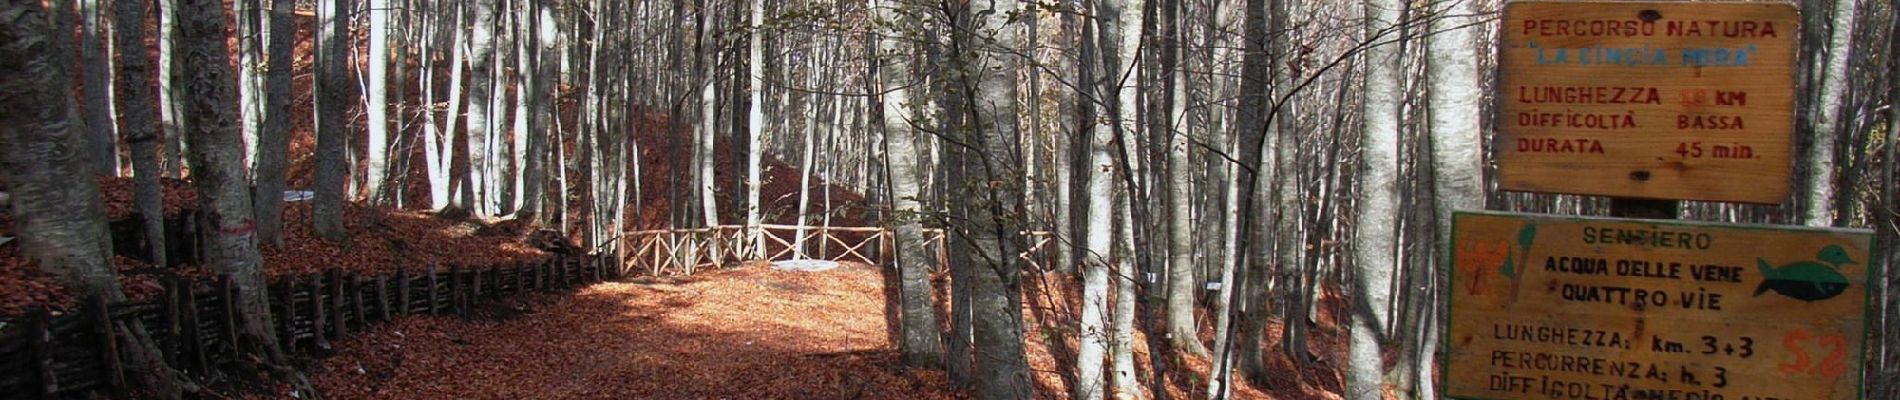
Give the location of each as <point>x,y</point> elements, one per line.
<point>195,324</point>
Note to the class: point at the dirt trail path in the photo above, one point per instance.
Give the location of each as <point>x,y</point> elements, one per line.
<point>743,333</point>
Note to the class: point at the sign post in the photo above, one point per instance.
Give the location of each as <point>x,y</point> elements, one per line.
<point>1559,307</point>
<point>1652,100</point>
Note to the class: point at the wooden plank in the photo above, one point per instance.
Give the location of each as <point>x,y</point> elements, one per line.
<point>1658,100</point>
<point>100,316</point>
<point>434,308</point>
<point>40,346</point>
<point>228,300</point>
<point>356,299</point>
<point>170,347</point>
<point>382,297</point>
<point>402,290</point>
<point>194,335</point>
<point>1545,306</point>
<point>287,320</point>
<point>319,325</point>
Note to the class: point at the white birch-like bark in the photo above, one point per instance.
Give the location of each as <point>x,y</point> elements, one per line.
<point>755,125</point>
<point>1826,121</point>
<point>168,89</point>
<point>273,143</point>
<point>95,49</point>
<point>1375,233</point>
<point>376,150</point>
<point>481,107</point>
<point>331,84</point>
<point>250,36</point>
<point>1457,159</point>
<point>922,345</point>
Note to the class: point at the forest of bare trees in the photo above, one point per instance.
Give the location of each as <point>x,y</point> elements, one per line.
<point>1233,191</point>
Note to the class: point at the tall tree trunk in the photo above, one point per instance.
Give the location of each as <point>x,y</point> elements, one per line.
<point>1121,337</point>
<point>922,345</point>
<point>56,205</point>
<point>251,111</point>
<point>95,49</point>
<point>273,144</point>
<point>376,151</point>
<point>57,209</point>
<point>1181,329</point>
<point>169,88</point>
<point>544,93</point>
<point>218,174</point>
<point>755,126</point>
<point>708,110</point>
<point>1825,122</point>
<point>138,113</point>
<point>481,94</point>
<point>1377,206</point>
<point>994,212</point>
<point>1457,148</point>
<point>1098,248</point>
<point>332,83</point>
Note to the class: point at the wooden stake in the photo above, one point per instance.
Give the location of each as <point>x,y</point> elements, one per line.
<point>382,297</point>
<point>170,297</point>
<point>229,294</point>
<point>39,346</point>
<point>287,292</point>
<point>101,318</point>
<point>356,298</point>
<point>317,324</point>
<point>434,309</point>
<point>402,290</point>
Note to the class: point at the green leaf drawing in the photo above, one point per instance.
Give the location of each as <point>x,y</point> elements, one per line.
<point>1526,236</point>
<point>1507,269</point>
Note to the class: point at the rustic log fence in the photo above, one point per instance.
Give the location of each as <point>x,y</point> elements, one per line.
<point>195,327</point>
<point>661,252</point>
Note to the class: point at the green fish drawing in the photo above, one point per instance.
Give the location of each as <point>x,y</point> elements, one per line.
<point>1807,280</point>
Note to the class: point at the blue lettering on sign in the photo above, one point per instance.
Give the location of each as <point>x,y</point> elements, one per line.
<point>1717,56</point>
<point>1642,56</point>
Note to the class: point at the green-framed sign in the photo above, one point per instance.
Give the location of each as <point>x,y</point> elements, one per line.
<point>1563,307</point>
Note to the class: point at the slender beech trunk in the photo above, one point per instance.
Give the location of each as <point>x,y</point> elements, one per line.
<point>1826,123</point>
<point>332,83</point>
<point>922,345</point>
<point>543,94</point>
<point>755,126</point>
<point>273,144</point>
<point>95,49</point>
<point>218,174</point>
<point>481,94</point>
<point>169,88</point>
<point>995,212</point>
<point>251,73</point>
<point>376,150</point>
<point>1181,329</point>
<point>1374,231</point>
<point>138,113</point>
<point>1457,148</point>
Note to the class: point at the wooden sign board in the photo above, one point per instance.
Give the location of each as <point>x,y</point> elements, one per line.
<point>1558,307</point>
<point>1660,100</point>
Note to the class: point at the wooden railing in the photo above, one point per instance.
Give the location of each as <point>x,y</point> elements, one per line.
<point>663,252</point>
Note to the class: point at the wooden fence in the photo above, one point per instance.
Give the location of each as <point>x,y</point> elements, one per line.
<point>194,325</point>
<point>685,251</point>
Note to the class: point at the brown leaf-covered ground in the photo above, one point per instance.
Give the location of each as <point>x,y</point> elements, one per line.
<point>746,333</point>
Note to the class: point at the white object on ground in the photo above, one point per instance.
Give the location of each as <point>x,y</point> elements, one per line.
<point>804,265</point>
<point>298,195</point>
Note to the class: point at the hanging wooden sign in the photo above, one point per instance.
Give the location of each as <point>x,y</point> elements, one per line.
<point>1659,100</point>
<point>1559,307</point>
